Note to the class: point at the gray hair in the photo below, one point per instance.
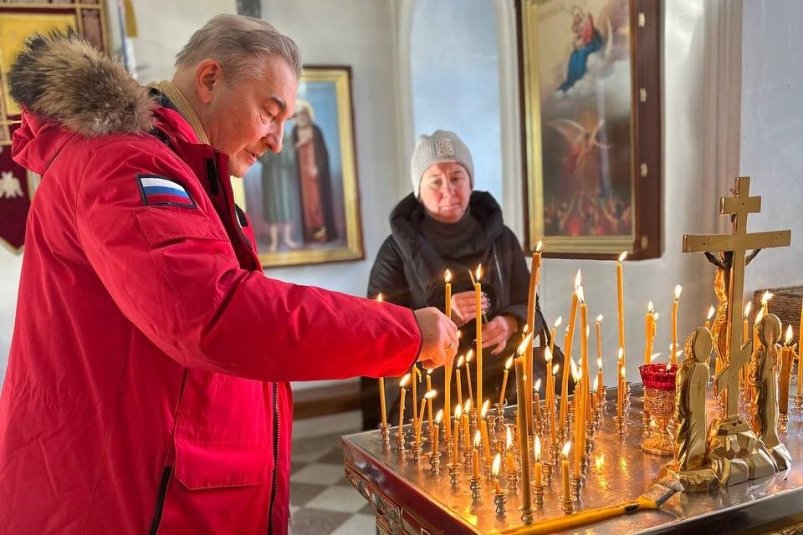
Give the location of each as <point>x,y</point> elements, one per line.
<point>237,42</point>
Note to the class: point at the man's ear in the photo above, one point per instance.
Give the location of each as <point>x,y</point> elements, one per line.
<point>208,76</point>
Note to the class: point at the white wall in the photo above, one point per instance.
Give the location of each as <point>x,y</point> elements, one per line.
<point>772,134</point>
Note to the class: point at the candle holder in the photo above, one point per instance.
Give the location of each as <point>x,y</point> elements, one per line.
<point>783,422</point>
<point>576,485</point>
<point>512,480</point>
<point>659,400</point>
<point>538,496</point>
<point>472,420</point>
<point>527,515</point>
<point>453,472</point>
<point>486,465</point>
<point>474,485</point>
<point>417,450</point>
<point>400,442</point>
<point>567,506</point>
<point>385,430</point>
<point>461,437</point>
<point>435,463</point>
<point>547,473</point>
<point>538,427</point>
<point>467,457</point>
<point>500,416</point>
<point>500,499</point>
<point>799,401</point>
<point>554,451</point>
<point>619,422</point>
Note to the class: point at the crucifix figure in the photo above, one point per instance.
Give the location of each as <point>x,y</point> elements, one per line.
<point>733,248</point>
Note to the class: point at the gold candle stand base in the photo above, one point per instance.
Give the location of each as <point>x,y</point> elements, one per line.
<point>645,424</point>
<point>472,421</point>
<point>554,451</point>
<point>566,505</point>
<point>400,442</point>
<point>418,449</point>
<point>385,430</point>
<point>538,496</point>
<point>486,464</point>
<point>799,400</point>
<point>474,485</point>
<point>576,484</point>
<point>547,473</point>
<point>500,499</point>
<point>619,421</point>
<point>527,515</point>
<point>453,471</point>
<point>435,463</point>
<point>512,480</point>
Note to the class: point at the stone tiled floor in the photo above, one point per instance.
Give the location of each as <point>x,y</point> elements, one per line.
<point>321,500</point>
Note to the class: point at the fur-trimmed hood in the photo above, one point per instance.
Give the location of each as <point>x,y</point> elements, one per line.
<point>65,79</point>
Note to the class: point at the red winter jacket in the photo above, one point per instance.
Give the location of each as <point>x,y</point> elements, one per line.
<point>147,381</point>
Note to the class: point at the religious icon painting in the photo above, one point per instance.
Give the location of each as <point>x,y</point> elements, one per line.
<point>590,72</point>
<point>18,20</point>
<point>304,201</point>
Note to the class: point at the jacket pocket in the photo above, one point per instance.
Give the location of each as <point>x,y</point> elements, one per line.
<point>211,465</point>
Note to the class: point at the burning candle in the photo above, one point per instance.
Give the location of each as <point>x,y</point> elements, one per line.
<point>711,311</point>
<point>427,397</point>
<point>402,385</point>
<point>765,301</point>
<point>620,394</point>
<point>553,333</point>
<point>435,431</point>
<point>600,381</point>
<point>536,390</point>
<point>447,300</point>
<point>786,372</point>
<point>475,456</point>
<point>579,423</point>
<point>458,413</point>
<point>620,297</point>
<point>675,303</point>
<point>466,426</point>
<point>564,471</point>
<point>497,465</point>
<point>549,394</point>
<point>598,327</point>
<point>746,327</point>
<point>469,358</point>
<point>460,360</point>
<point>584,366</point>
<point>486,444</point>
<point>649,331</point>
<point>414,390</point>
<point>564,393</point>
<point>535,275</point>
<point>508,364</point>
<point>429,400</point>
<point>478,296</point>
<point>538,476</point>
<point>382,406</point>
<point>447,375</point>
<point>553,428</point>
<point>523,433</point>
<point>510,460</point>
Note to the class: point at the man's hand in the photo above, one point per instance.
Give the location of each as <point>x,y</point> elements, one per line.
<point>464,306</point>
<point>439,336</point>
<point>496,333</point>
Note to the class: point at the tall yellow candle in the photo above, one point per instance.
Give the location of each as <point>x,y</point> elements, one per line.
<point>554,427</point>
<point>508,364</point>
<point>538,475</point>
<point>535,274</point>
<point>486,443</point>
<point>447,375</point>
<point>510,461</point>
<point>649,332</point>
<point>523,434</point>
<point>800,327</point>
<point>475,456</point>
<point>458,418</point>
<point>746,326</point>
<point>478,296</point>
<point>564,393</point>
<point>620,394</point>
<point>382,407</point>
<point>620,297</point>
<point>496,467</point>
<point>598,330</point>
<point>675,302</point>
<point>584,367</point>
<point>794,357</point>
<point>466,426</point>
<point>459,386</point>
<point>600,380</point>
<point>435,430</point>
<point>469,357</point>
<point>564,471</point>
<point>537,404</point>
<point>429,400</point>
<point>553,333</point>
<point>402,385</point>
<point>414,390</point>
<point>447,299</point>
<point>579,423</point>
<point>785,375</point>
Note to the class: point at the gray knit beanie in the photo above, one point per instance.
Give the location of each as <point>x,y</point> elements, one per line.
<point>441,146</point>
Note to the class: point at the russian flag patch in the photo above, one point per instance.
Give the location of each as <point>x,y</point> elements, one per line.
<point>162,191</point>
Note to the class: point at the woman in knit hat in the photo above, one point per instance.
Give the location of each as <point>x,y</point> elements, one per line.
<point>445,224</point>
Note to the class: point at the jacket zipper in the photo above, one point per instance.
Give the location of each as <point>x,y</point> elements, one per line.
<point>275,455</point>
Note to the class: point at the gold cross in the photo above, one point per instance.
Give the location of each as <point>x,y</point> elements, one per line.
<point>738,242</point>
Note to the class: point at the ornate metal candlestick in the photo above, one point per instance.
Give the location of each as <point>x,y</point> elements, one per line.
<point>547,468</point>
<point>538,495</point>
<point>500,499</point>
<point>567,506</point>
<point>577,484</point>
<point>453,471</point>
<point>435,462</point>
<point>474,485</point>
<point>659,399</point>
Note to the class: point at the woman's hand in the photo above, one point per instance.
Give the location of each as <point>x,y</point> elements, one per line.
<point>464,306</point>
<point>496,333</point>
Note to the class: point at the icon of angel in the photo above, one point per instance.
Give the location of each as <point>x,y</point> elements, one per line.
<point>580,165</point>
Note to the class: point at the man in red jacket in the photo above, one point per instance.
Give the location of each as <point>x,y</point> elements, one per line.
<point>147,383</point>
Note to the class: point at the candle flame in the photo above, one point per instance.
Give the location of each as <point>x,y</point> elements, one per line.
<point>537,449</point>
<point>574,369</point>
<point>555,369</point>
<point>596,384</point>
<point>599,318</point>
<point>711,313</point>
<point>599,362</point>
<point>668,366</point>
<point>485,406</point>
<point>469,356</point>
<point>508,437</point>
<point>650,307</point>
<point>467,406</point>
<point>565,451</point>
<point>497,461</point>
<point>655,356</point>
<point>537,386</point>
<point>439,416</point>
<point>380,297</point>
<point>580,294</point>
<point>766,297</point>
<point>558,322</point>
<point>430,370</point>
<point>678,289</point>
<point>538,246</point>
<point>747,308</point>
<point>523,345</point>
<point>547,356</point>
<point>789,334</point>
<point>447,276</point>
<point>477,439</point>
<point>458,412</point>
<point>479,273</point>
<point>759,316</point>
<point>431,394</point>
<point>622,256</point>
<point>525,330</point>
<point>460,361</point>
<point>509,362</point>
<point>578,280</point>
<point>404,380</point>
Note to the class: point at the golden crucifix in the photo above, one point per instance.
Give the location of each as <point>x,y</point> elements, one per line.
<point>736,245</point>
